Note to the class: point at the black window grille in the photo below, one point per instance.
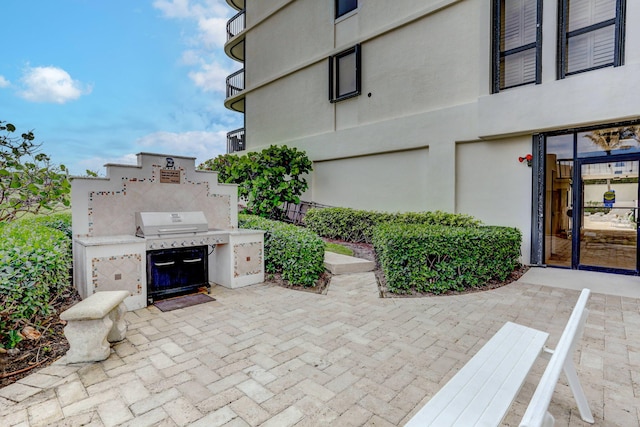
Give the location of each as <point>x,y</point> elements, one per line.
<point>517,43</point>
<point>591,35</point>
<point>345,74</point>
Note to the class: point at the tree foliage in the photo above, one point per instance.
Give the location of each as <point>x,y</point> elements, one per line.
<point>266,179</point>
<point>29,183</point>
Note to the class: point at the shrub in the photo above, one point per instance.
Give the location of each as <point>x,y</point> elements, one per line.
<point>296,253</point>
<point>266,179</point>
<point>437,259</point>
<point>356,226</point>
<point>35,260</point>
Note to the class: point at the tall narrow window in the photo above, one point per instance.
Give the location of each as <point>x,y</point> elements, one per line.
<point>345,6</point>
<point>517,43</point>
<point>344,74</point>
<point>591,35</point>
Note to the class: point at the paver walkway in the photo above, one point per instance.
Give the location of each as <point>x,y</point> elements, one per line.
<point>265,355</point>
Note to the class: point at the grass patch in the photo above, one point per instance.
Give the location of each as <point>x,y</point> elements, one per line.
<point>338,249</point>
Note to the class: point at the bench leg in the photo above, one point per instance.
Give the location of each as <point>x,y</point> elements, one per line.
<point>578,392</point>
<point>88,340</point>
<point>119,329</point>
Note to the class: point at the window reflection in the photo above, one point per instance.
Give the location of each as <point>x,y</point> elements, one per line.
<point>610,141</point>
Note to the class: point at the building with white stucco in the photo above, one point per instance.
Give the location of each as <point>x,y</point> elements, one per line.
<point>413,105</point>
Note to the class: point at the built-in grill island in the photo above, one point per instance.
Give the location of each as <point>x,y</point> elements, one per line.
<point>158,230</point>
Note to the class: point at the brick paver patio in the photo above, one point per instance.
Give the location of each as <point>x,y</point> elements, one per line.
<point>265,355</point>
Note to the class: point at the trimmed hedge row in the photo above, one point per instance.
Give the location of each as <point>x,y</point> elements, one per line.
<point>357,226</point>
<point>296,253</point>
<point>438,259</point>
<point>35,260</point>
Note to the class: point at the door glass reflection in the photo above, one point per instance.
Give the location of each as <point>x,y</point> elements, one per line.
<point>608,234</point>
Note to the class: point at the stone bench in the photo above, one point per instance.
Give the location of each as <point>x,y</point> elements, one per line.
<point>481,393</point>
<point>93,323</point>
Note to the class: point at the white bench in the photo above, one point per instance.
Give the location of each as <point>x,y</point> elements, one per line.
<point>92,324</point>
<point>481,393</point>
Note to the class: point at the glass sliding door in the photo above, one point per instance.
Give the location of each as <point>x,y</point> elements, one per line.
<point>609,214</point>
<point>559,201</point>
<point>590,199</point>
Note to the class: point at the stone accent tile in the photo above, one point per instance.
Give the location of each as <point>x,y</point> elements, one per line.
<point>281,401</point>
<point>172,349</point>
<point>260,375</point>
<point>161,361</point>
<point>168,383</point>
<point>45,413</point>
<point>85,419</point>
<point>346,399</point>
<point>288,417</point>
<point>154,401</point>
<point>227,382</point>
<point>354,416</point>
<point>17,392</point>
<point>114,412</point>
<point>382,408</point>
<point>71,392</point>
<point>12,418</point>
<point>218,400</point>
<point>182,411</point>
<point>315,390</point>
<point>92,374</point>
<point>133,391</point>
<point>217,418</point>
<point>148,419</point>
<point>250,411</point>
<point>255,391</point>
<point>342,382</point>
<point>137,339</point>
<point>194,392</point>
<point>89,404</point>
<point>39,380</point>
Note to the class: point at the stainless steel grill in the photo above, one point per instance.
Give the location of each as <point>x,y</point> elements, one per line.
<point>177,251</point>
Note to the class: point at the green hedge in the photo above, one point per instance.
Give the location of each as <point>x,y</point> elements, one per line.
<point>438,259</point>
<point>356,226</point>
<point>35,261</point>
<point>296,253</point>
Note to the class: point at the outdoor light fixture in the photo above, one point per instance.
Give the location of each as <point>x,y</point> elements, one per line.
<point>528,158</point>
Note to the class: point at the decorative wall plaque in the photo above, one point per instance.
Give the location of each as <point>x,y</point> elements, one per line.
<point>170,176</point>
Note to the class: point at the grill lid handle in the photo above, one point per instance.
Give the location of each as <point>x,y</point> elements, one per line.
<point>164,264</point>
<point>177,229</point>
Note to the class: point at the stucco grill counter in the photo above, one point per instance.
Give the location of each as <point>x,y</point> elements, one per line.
<point>160,229</point>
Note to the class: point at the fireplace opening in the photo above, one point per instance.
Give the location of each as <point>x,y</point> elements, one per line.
<point>174,272</point>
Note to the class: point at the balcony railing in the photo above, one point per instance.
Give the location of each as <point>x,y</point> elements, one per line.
<point>235,25</point>
<point>235,83</point>
<point>235,141</point>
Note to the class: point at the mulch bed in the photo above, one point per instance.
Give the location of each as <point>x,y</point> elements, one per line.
<point>38,353</point>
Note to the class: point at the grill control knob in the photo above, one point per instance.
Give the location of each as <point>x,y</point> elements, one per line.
<point>174,244</point>
<point>162,245</point>
<point>193,243</point>
<point>183,243</point>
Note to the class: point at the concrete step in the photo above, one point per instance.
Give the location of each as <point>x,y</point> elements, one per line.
<point>344,264</point>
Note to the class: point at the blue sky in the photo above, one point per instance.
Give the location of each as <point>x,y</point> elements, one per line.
<point>101,80</point>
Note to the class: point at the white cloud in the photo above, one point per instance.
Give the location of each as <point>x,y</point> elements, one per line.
<point>51,84</point>
<point>210,77</point>
<point>199,144</point>
<point>205,37</point>
<point>213,31</point>
<point>4,82</point>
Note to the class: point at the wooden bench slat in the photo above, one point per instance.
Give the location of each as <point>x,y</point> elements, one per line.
<point>487,383</point>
